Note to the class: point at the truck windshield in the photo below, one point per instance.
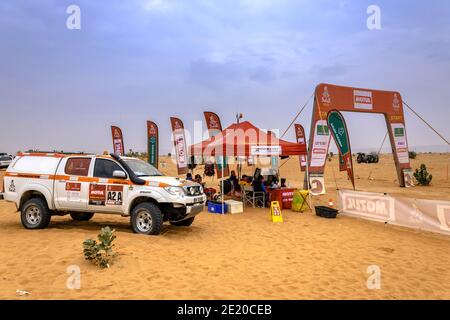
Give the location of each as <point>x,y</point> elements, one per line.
<point>142,168</point>
<point>5,158</point>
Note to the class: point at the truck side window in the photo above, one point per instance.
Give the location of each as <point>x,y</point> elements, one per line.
<point>104,168</point>
<point>78,166</point>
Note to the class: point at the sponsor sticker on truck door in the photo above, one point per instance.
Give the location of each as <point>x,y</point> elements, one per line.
<point>73,190</point>
<point>97,194</point>
<point>114,196</point>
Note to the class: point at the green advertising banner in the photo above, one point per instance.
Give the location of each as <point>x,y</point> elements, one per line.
<point>152,140</point>
<point>338,128</point>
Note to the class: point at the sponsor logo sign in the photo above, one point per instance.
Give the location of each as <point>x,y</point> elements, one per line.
<point>301,139</point>
<point>400,142</point>
<point>362,99</point>
<point>97,194</point>
<point>265,150</point>
<point>371,206</point>
<point>428,215</point>
<point>320,144</point>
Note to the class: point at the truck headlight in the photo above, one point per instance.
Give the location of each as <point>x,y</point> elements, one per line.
<point>176,191</point>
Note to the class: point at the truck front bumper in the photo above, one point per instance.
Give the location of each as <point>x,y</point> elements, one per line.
<point>180,213</point>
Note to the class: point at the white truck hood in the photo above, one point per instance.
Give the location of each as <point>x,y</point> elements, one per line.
<point>171,181</point>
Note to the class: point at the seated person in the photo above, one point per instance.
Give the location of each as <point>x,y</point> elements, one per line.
<point>189,176</point>
<point>283,183</point>
<point>274,184</point>
<point>258,184</point>
<point>199,180</point>
<point>233,179</point>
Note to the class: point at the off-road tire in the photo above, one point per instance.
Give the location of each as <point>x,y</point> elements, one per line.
<point>146,218</point>
<point>35,214</point>
<point>81,216</point>
<point>183,223</point>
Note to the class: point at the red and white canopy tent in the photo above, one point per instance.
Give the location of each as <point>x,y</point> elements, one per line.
<point>246,140</point>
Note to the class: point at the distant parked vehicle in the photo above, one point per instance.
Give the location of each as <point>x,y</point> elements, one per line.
<point>367,158</point>
<point>5,161</point>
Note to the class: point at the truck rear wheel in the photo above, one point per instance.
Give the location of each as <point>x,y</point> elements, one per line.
<point>81,216</point>
<point>183,223</point>
<point>147,218</point>
<point>35,214</point>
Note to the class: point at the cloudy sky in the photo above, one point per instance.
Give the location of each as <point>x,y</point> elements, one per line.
<point>141,60</point>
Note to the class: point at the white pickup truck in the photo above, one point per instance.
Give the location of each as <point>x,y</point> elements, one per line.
<point>43,184</point>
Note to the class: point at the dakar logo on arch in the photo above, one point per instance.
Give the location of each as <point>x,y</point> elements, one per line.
<point>363,99</point>
<point>396,102</point>
<point>326,97</point>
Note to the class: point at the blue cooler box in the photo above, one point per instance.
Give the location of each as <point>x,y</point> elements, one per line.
<point>216,207</point>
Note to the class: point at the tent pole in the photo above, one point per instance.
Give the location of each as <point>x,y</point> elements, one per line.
<point>223,195</point>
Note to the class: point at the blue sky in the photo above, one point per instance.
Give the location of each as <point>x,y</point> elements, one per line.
<point>141,60</point>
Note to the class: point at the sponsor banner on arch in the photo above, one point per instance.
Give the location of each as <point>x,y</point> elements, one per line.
<point>427,215</point>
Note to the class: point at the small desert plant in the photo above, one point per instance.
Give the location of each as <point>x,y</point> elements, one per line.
<point>330,156</point>
<point>101,253</point>
<point>422,176</point>
<point>412,154</point>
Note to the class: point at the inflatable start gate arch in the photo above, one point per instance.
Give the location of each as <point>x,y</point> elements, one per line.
<point>329,97</point>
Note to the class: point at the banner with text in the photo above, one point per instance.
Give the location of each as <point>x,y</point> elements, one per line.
<point>427,215</point>
<point>215,127</point>
<point>179,140</point>
<point>153,143</point>
<point>117,138</point>
<point>336,123</point>
<point>301,139</point>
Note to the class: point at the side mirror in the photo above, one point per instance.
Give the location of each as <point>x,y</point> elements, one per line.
<point>119,174</point>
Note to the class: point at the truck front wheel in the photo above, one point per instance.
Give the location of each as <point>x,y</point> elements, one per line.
<point>81,216</point>
<point>147,218</point>
<point>183,223</point>
<point>35,214</point>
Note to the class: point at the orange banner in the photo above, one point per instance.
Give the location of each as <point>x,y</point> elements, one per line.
<point>301,139</point>
<point>117,138</point>
<point>215,127</point>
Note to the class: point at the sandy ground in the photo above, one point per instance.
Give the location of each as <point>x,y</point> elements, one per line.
<point>242,256</point>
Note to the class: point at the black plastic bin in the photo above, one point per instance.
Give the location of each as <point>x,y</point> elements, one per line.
<point>326,212</point>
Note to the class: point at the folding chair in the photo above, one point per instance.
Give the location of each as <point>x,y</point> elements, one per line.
<point>253,197</point>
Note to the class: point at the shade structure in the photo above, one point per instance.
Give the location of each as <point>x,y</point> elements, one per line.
<point>245,140</point>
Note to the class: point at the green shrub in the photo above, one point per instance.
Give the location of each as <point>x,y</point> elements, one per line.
<point>412,155</point>
<point>101,253</point>
<point>422,176</point>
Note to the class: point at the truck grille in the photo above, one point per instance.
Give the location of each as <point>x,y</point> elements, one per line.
<point>193,190</point>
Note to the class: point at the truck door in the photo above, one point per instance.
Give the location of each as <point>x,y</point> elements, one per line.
<point>71,185</point>
<point>107,193</point>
